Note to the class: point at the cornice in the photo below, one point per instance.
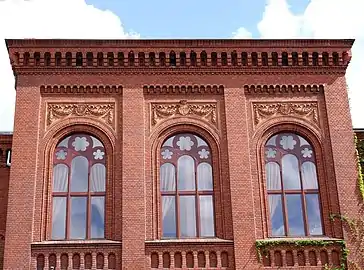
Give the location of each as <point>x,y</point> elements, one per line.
<point>182,71</point>
<point>284,89</point>
<point>81,89</point>
<point>183,43</point>
<point>183,89</point>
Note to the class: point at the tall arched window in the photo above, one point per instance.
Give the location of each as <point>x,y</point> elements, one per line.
<point>186,186</point>
<point>78,190</point>
<point>292,186</point>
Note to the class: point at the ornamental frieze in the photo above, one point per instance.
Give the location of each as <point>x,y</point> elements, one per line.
<point>266,110</point>
<point>104,112</point>
<point>204,111</point>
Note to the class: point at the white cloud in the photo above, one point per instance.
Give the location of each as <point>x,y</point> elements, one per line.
<point>324,19</point>
<point>48,19</point>
<point>242,33</point>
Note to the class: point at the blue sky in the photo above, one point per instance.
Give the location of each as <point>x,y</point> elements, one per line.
<point>104,19</point>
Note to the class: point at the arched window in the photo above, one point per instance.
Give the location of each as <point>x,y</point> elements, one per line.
<point>224,60</point>
<point>79,59</point>
<point>26,57</point>
<point>47,59</point>
<point>37,58</point>
<point>131,59</point>
<point>58,57</point>
<point>244,58</point>
<point>335,58</point>
<point>162,59</point>
<point>315,59</point>
<point>186,186</point>
<point>274,59</point>
<point>110,59</point>
<point>203,57</point>
<point>172,59</point>
<point>120,59</point>
<point>182,58</point>
<point>254,58</point>
<point>264,59</point>
<point>68,59</point>
<point>325,58</point>
<point>141,59</point>
<point>305,58</point>
<point>152,59</point>
<point>214,59</point>
<point>193,58</point>
<point>294,59</point>
<point>292,186</point>
<point>284,59</point>
<point>78,190</point>
<point>100,59</point>
<point>90,59</point>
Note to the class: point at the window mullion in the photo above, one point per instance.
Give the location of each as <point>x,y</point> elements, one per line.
<point>197,204</point>
<point>88,204</point>
<point>284,206</point>
<point>303,200</point>
<point>68,203</point>
<point>178,234</point>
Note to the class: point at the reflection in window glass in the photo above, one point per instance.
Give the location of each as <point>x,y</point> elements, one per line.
<point>313,214</point>
<point>290,172</point>
<point>78,218</point>
<point>79,174</point>
<point>204,176</point>
<point>59,218</point>
<point>295,215</point>
<point>168,177</point>
<point>276,215</point>
<point>187,216</point>
<point>207,216</point>
<point>97,217</point>
<point>186,173</point>
<point>169,216</point>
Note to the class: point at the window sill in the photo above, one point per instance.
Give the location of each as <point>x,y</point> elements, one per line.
<point>189,241</point>
<point>75,243</point>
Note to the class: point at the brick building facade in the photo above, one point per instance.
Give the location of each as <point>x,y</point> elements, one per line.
<point>140,154</point>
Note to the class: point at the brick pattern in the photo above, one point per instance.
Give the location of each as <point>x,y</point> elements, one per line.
<point>132,144</point>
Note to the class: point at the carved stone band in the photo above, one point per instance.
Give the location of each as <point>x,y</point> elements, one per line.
<point>104,112</point>
<point>204,111</point>
<point>306,110</point>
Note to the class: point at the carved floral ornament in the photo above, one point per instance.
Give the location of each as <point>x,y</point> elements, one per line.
<point>305,110</point>
<point>204,111</point>
<point>104,112</point>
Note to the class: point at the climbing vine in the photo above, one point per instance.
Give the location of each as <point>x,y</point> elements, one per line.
<point>262,246</point>
<point>360,163</point>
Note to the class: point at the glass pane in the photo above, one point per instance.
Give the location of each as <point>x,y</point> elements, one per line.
<point>78,218</point>
<point>186,173</point>
<point>169,216</point>
<point>276,215</point>
<point>204,176</point>
<point>98,172</point>
<point>60,178</point>
<point>79,174</point>
<point>187,216</point>
<point>272,141</point>
<point>97,217</point>
<point>273,174</point>
<point>295,215</point>
<point>309,176</point>
<point>207,216</point>
<point>313,214</point>
<point>59,218</point>
<point>168,177</point>
<point>290,172</point>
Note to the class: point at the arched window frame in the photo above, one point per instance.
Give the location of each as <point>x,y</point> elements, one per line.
<point>315,158</point>
<point>94,157</point>
<point>217,208</point>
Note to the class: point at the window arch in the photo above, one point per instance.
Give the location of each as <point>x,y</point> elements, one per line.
<point>78,188</point>
<point>186,187</point>
<point>292,187</point>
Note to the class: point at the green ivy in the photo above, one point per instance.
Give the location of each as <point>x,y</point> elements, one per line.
<point>262,246</point>
<point>360,163</point>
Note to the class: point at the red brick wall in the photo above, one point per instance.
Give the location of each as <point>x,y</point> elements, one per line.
<point>132,140</point>
<point>5,145</point>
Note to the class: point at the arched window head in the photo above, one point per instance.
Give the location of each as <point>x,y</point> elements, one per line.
<point>78,188</point>
<point>292,186</point>
<point>186,188</point>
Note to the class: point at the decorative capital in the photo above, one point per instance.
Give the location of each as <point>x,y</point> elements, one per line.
<point>204,111</point>
<point>266,110</point>
<point>104,112</point>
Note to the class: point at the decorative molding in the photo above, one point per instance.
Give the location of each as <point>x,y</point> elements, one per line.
<point>266,110</point>
<point>105,112</point>
<point>284,89</point>
<point>81,89</point>
<point>205,111</point>
<point>184,89</point>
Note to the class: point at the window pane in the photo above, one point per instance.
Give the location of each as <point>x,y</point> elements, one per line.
<point>207,216</point>
<point>204,176</point>
<point>187,216</point>
<point>273,174</point>
<point>59,218</point>
<point>168,177</point>
<point>78,218</point>
<point>169,216</point>
<point>186,173</point>
<point>290,172</point>
<point>97,176</point>
<point>79,174</point>
<point>60,178</point>
<point>97,217</point>
<point>309,176</point>
<point>295,215</point>
<point>276,215</point>
<point>313,214</point>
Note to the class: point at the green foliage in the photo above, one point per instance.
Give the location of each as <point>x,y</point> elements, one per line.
<point>262,246</point>
<point>360,163</point>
